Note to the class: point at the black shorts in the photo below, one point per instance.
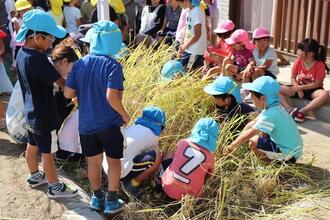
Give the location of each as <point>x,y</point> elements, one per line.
<point>46,143</point>
<point>141,163</point>
<point>307,94</point>
<point>268,73</point>
<point>110,141</point>
<point>191,60</point>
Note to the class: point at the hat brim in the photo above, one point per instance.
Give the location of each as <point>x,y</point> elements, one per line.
<point>248,45</point>
<point>211,91</point>
<point>23,8</point>
<point>231,41</point>
<point>250,87</point>
<point>261,36</point>
<point>220,30</point>
<point>58,32</point>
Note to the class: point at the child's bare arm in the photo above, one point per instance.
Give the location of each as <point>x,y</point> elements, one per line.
<point>265,65</point>
<point>69,93</point>
<point>194,39</point>
<point>114,97</point>
<point>315,85</point>
<point>244,137</point>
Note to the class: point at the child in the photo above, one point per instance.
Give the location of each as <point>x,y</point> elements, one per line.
<point>281,140</point>
<point>214,55</point>
<point>240,55</point>
<point>172,16</point>
<point>141,155</point>
<point>22,6</point>
<point>193,161</point>
<point>264,61</point>
<point>180,31</point>
<point>307,76</point>
<point>227,99</point>
<point>195,42</point>
<point>72,16</point>
<point>97,81</point>
<point>37,76</point>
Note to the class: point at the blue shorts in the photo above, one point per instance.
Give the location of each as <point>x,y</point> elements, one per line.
<point>46,143</point>
<point>191,60</point>
<point>142,162</point>
<point>110,141</point>
<point>268,147</point>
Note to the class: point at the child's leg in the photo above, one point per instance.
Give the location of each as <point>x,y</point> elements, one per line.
<point>320,97</point>
<point>31,157</point>
<point>226,61</point>
<point>94,170</point>
<point>253,143</point>
<point>285,91</point>
<point>230,70</point>
<point>48,164</point>
<point>113,174</point>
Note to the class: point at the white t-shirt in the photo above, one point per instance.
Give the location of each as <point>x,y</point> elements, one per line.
<point>196,16</point>
<point>269,55</point>
<point>71,14</point>
<point>138,139</point>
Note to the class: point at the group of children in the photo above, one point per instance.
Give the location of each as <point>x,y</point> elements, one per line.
<point>130,155</point>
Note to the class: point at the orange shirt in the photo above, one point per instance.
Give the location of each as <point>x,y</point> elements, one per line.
<point>307,76</point>
<point>187,173</point>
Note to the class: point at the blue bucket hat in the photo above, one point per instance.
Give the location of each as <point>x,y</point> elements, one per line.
<point>153,118</point>
<point>205,134</point>
<point>38,20</point>
<point>171,68</point>
<point>267,86</point>
<point>224,85</point>
<point>105,38</point>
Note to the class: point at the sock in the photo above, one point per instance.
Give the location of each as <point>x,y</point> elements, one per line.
<point>135,183</point>
<point>55,186</point>
<point>98,193</point>
<point>36,175</point>
<point>112,195</point>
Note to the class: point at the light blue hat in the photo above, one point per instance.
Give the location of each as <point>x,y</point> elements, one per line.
<point>223,85</point>
<point>38,20</point>
<point>205,134</point>
<point>172,68</point>
<point>195,3</point>
<point>105,38</point>
<point>153,118</point>
<point>87,37</point>
<point>267,86</point>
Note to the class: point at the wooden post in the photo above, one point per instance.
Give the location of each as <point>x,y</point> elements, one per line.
<point>311,19</point>
<point>297,23</point>
<point>283,24</point>
<point>327,24</point>
<point>319,20</point>
<point>288,46</point>
<point>276,18</point>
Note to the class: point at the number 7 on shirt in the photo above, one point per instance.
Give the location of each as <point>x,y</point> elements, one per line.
<point>194,159</point>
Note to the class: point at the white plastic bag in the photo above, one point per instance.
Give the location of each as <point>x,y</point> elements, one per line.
<point>15,119</point>
<point>68,135</point>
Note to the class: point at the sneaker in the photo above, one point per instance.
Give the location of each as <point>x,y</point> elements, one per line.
<point>131,190</point>
<point>293,112</point>
<point>34,182</point>
<point>113,207</point>
<point>299,117</point>
<point>64,191</point>
<point>96,203</point>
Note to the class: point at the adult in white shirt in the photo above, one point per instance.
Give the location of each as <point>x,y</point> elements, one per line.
<point>141,156</point>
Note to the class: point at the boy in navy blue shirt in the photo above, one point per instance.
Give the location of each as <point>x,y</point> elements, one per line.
<point>97,81</point>
<point>36,76</point>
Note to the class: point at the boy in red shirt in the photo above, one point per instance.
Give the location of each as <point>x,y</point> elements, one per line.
<point>307,76</point>
<point>193,161</point>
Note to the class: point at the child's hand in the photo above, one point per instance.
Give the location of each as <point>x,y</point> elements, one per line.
<point>228,150</point>
<point>126,119</point>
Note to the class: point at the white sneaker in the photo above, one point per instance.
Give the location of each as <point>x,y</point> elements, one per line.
<point>63,191</point>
